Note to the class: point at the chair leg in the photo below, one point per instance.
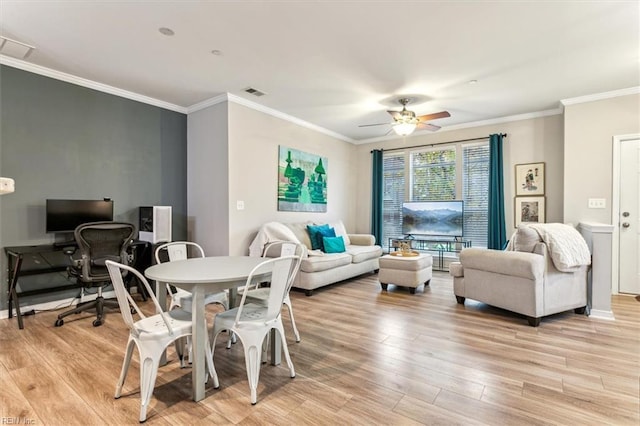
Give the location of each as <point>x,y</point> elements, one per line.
<point>285,349</point>
<point>252,357</point>
<point>81,307</point>
<point>293,321</point>
<point>180,344</point>
<point>210,365</point>
<point>232,339</point>
<point>125,367</point>
<point>148,372</point>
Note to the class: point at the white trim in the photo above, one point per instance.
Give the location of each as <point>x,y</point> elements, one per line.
<point>604,315</point>
<point>208,102</point>
<point>105,88</point>
<point>599,96</point>
<point>60,304</point>
<point>615,209</point>
<point>46,306</point>
<point>69,78</point>
<point>228,97</point>
<point>500,120</point>
<point>287,117</point>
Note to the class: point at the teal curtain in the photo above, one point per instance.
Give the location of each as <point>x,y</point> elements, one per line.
<point>376,195</point>
<point>497,237</point>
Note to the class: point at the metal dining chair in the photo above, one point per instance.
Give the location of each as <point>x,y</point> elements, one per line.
<point>251,322</point>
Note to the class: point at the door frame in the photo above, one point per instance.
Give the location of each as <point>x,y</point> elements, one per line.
<point>615,209</point>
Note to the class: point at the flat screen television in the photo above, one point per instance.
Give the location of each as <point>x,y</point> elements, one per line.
<point>66,215</point>
<point>433,218</point>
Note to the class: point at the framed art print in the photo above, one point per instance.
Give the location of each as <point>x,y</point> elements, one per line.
<point>529,210</point>
<point>529,179</point>
<point>302,181</point>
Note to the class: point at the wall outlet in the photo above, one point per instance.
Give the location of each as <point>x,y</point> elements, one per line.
<point>597,203</point>
<point>240,205</point>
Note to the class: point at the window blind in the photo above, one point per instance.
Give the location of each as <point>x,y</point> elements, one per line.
<point>433,175</point>
<point>393,197</point>
<point>475,192</point>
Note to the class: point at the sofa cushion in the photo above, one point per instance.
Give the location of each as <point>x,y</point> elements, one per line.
<point>322,263</point>
<point>525,239</point>
<point>332,244</point>
<point>363,253</point>
<point>341,231</point>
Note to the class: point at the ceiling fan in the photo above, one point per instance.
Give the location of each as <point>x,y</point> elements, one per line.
<point>405,121</point>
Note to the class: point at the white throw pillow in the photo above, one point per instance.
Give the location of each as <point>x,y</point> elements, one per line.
<point>525,239</point>
<point>338,226</point>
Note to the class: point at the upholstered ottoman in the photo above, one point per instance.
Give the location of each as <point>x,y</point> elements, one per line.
<point>405,271</point>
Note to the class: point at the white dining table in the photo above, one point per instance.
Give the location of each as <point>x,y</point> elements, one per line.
<point>201,276</point>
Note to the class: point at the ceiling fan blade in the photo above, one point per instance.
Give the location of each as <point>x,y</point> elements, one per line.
<point>427,117</point>
<point>369,125</point>
<point>395,114</point>
<point>429,126</point>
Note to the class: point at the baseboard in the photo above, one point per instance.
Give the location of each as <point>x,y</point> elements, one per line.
<point>605,315</point>
<point>58,304</point>
<point>87,297</point>
<point>46,306</point>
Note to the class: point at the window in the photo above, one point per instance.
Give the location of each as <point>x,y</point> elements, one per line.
<point>475,193</point>
<point>450,173</point>
<point>393,197</point>
<point>433,175</point>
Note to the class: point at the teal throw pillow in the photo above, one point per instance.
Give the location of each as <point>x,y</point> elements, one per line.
<point>333,244</point>
<point>325,233</point>
<point>316,240</point>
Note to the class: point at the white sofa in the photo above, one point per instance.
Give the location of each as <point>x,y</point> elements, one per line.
<point>543,272</point>
<point>317,268</point>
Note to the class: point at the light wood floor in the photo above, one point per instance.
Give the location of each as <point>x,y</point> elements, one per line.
<point>366,357</point>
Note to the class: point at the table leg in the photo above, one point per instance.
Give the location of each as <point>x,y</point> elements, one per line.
<point>198,340</point>
<point>162,301</point>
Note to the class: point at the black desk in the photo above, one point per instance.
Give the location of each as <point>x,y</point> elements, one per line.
<point>47,258</point>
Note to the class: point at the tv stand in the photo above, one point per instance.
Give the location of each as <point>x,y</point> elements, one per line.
<point>441,245</point>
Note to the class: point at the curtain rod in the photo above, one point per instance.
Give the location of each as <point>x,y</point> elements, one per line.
<point>439,143</point>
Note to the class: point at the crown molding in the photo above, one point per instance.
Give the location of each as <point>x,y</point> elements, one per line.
<point>499,120</point>
<point>208,102</point>
<point>105,88</point>
<point>601,96</point>
<point>228,97</point>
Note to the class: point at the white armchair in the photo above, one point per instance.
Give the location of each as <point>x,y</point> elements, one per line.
<point>525,279</point>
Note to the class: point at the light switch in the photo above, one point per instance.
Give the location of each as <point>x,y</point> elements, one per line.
<point>240,205</point>
<point>597,203</point>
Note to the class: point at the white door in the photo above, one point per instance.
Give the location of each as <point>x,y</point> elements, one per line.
<point>629,220</point>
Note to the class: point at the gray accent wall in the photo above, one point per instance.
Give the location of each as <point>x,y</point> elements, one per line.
<point>59,140</point>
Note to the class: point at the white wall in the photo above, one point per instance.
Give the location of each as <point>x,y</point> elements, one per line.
<point>588,138</point>
<point>233,156</point>
<point>527,141</point>
<point>208,179</point>
<point>254,138</point>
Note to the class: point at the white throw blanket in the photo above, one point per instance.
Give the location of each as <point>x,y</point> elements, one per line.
<point>269,232</point>
<point>567,247</point>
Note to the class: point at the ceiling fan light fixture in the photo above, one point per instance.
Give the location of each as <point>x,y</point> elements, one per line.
<point>404,129</point>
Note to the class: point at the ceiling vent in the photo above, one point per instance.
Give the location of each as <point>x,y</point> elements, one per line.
<point>15,48</point>
<point>254,92</point>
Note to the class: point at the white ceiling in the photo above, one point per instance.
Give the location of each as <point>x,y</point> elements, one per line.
<point>339,64</point>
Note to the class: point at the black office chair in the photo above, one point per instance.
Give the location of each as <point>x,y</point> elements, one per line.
<point>97,243</point>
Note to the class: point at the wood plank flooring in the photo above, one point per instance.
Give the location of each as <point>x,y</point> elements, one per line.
<point>367,357</point>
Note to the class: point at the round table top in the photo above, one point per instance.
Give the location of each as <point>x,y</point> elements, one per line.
<point>204,269</point>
